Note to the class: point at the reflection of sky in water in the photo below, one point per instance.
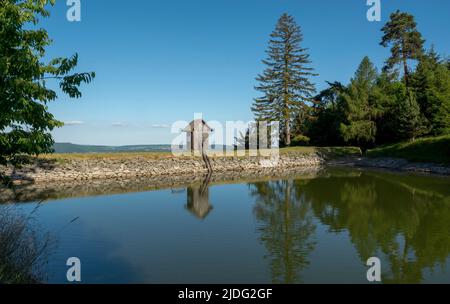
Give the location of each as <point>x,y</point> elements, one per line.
<point>298,231</point>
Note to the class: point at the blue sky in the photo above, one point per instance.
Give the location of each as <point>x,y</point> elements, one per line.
<point>158,62</point>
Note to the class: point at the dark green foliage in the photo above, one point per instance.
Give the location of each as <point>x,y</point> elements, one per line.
<point>388,93</point>
<point>431,83</point>
<point>361,108</point>
<point>405,41</point>
<point>377,109</point>
<point>328,114</point>
<point>25,122</point>
<point>411,123</point>
<point>330,96</point>
<point>324,130</point>
<point>285,82</point>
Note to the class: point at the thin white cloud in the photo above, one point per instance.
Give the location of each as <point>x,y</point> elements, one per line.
<point>160,126</point>
<point>119,124</point>
<point>73,123</point>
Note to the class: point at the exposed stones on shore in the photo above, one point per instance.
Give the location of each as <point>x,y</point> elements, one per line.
<point>393,164</point>
<point>45,171</point>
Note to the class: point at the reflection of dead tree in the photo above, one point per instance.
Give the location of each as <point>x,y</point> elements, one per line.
<point>205,154</point>
<point>205,183</point>
<point>22,251</point>
<point>207,162</point>
<point>198,198</point>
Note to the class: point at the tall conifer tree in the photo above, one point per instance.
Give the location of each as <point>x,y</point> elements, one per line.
<point>285,83</point>
<point>405,40</point>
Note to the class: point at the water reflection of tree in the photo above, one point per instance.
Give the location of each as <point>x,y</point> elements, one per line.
<point>198,198</point>
<point>411,228</point>
<point>285,227</point>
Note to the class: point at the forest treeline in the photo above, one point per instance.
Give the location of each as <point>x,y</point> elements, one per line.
<point>408,98</point>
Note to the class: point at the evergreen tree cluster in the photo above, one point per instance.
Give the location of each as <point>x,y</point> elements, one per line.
<point>407,99</point>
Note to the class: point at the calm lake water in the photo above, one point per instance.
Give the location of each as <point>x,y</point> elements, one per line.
<point>318,229</point>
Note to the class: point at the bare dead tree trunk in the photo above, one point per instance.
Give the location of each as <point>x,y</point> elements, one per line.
<point>288,132</point>
<point>205,155</point>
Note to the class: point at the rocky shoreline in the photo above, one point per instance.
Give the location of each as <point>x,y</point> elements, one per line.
<point>49,171</point>
<point>45,171</point>
<point>394,164</point>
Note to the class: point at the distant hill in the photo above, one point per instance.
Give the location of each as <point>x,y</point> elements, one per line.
<point>72,148</point>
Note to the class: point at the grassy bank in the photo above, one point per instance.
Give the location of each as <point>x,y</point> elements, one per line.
<point>329,152</point>
<point>431,149</point>
<point>107,155</point>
